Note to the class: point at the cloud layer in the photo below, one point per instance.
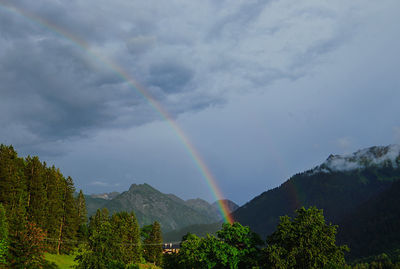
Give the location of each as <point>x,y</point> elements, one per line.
<point>228,72</point>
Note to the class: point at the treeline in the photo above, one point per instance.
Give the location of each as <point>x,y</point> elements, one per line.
<point>40,208</point>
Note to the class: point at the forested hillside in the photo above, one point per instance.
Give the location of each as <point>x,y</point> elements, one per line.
<point>338,186</point>
<point>374,226</point>
<point>39,205</point>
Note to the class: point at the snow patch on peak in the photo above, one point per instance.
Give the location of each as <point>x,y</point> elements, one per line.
<point>374,156</point>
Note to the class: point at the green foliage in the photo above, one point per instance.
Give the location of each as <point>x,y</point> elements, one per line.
<point>60,261</point>
<point>3,236</point>
<point>153,245</point>
<point>36,198</point>
<point>145,232</point>
<point>235,247</point>
<point>28,251</point>
<point>304,242</point>
<point>126,229</point>
<point>82,233</point>
<point>36,192</point>
<point>243,239</point>
<point>113,242</point>
<point>101,250</point>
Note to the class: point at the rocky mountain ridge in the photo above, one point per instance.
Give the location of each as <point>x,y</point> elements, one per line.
<point>151,205</point>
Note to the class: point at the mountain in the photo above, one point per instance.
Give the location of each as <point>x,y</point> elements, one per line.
<point>339,186</point>
<point>106,196</point>
<point>152,205</point>
<point>92,204</point>
<point>373,227</point>
<point>230,205</point>
<point>200,230</point>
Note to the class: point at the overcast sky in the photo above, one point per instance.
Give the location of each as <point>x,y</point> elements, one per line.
<point>262,89</point>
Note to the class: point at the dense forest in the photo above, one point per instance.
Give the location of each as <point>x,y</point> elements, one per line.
<point>40,208</point>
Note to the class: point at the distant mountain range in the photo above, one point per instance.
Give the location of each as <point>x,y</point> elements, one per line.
<point>151,205</point>
<point>106,196</point>
<point>358,191</point>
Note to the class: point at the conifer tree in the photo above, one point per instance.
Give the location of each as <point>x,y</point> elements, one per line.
<point>54,182</point>
<point>82,217</point>
<point>68,223</point>
<point>81,207</point>
<point>36,193</point>
<point>96,220</point>
<point>12,188</point>
<point>102,246</point>
<point>126,229</point>
<point>153,245</point>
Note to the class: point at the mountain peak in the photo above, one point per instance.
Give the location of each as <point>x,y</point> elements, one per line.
<point>140,187</point>
<point>373,156</point>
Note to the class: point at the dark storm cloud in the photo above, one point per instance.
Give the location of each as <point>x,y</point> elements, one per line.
<point>245,61</point>
<point>72,94</point>
<point>170,76</point>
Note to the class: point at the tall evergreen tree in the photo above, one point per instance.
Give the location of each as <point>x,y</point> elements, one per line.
<point>126,229</point>
<point>68,225</point>
<point>82,217</point>
<point>12,188</point>
<point>81,207</point>
<point>153,245</point>
<point>54,182</point>
<point>101,248</point>
<point>36,193</point>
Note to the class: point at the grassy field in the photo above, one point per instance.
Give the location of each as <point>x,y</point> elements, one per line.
<point>62,261</point>
<point>67,261</point>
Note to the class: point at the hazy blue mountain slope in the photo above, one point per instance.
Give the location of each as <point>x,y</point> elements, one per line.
<point>92,204</point>
<point>338,186</point>
<point>374,226</point>
<point>197,229</point>
<point>151,205</point>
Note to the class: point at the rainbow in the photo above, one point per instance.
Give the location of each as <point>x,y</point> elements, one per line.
<point>191,150</point>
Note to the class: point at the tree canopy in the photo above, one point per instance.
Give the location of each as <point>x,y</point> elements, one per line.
<point>305,241</point>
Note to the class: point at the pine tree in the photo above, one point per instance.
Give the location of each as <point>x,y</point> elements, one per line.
<point>82,217</point>
<point>153,245</point>
<point>101,247</point>
<point>68,225</point>
<point>54,185</point>
<point>37,198</point>
<point>126,229</point>
<point>81,207</point>
<point>12,188</point>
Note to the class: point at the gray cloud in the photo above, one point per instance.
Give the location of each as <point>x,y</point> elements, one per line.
<point>232,74</point>
<point>170,76</point>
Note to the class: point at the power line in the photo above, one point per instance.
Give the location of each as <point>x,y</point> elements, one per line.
<point>118,243</point>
